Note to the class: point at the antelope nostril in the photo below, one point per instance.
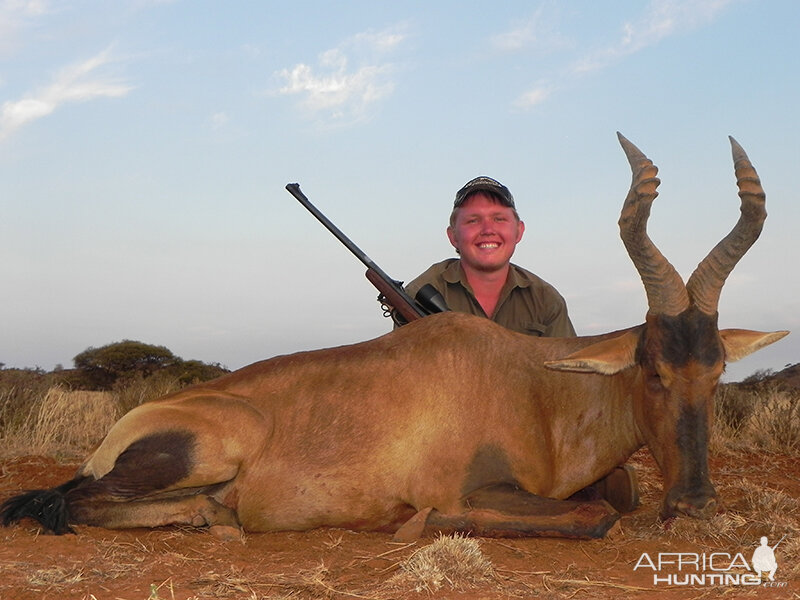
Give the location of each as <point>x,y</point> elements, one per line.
<point>698,507</point>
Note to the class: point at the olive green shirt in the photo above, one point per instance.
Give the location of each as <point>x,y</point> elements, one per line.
<point>527,303</point>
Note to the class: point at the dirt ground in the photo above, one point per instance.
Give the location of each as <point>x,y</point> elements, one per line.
<point>183,564</point>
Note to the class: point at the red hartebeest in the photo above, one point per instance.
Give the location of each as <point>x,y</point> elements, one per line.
<point>449,423</point>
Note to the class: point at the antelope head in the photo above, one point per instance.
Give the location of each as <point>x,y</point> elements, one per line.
<point>679,353</point>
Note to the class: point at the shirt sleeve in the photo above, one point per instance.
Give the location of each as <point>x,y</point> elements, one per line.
<point>560,324</point>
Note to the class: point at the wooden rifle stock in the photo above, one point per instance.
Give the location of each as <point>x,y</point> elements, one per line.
<point>400,302</point>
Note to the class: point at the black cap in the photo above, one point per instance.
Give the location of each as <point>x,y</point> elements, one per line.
<point>484,184</point>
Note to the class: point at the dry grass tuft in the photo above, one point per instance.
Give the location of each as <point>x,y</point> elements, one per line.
<point>456,561</point>
<point>62,422</point>
<point>722,529</point>
<point>55,577</point>
<point>787,555</point>
<point>773,509</point>
<point>316,582</point>
<point>309,583</point>
<point>17,397</point>
<point>233,584</point>
<point>776,426</point>
<point>72,420</point>
<point>138,390</point>
<point>766,418</point>
<point>754,510</point>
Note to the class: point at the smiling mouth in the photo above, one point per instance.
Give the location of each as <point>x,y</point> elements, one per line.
<point>488,245</point>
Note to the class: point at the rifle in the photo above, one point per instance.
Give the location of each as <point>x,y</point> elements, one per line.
<point>393,298</point>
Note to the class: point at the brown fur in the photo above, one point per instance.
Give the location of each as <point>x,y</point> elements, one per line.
<point>352,437</point>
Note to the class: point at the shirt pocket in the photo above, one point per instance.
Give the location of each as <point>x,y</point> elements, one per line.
<point>533,328</point>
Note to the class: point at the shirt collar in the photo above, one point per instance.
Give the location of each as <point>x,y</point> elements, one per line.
<point>454,273</point>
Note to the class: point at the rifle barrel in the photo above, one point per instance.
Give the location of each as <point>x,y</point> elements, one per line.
<point>294,190</point>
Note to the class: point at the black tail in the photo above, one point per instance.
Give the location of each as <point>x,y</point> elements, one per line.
<point>48,507</point>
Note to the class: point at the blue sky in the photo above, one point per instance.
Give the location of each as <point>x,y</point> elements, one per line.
<point>145,146</point>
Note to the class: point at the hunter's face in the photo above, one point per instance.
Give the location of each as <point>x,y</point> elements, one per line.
<point>485,233</point>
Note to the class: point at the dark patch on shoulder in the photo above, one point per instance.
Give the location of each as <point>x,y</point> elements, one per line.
<point>489,466</point>
<point>691,335</point>
<point>151,464</point>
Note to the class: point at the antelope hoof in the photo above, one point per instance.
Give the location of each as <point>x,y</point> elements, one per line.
<point>227,533</point>
<point>620,489</point>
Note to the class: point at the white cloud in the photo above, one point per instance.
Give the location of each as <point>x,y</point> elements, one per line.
<point>32,8</point>
<point>219,120</point>
<point>15,15</point>
<point>537,32</point>
<point>515,39</point>
<point>381,41</point>
<point>336,87</point>
<point>662,19</point>
<point>533,97</point>
<point>75,83</point>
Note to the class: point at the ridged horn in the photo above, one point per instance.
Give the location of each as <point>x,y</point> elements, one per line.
<point>705,284</point>
<point>666,292</point>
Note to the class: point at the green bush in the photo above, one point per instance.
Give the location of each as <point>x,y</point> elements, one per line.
<point>195,371</point>
<point>100,368</point>
<point>117,364</point>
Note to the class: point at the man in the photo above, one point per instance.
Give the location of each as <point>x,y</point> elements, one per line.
<point>485,230</point>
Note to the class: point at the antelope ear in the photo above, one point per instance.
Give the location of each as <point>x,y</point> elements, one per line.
<point>739,343</point>
<point>606,357</point>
